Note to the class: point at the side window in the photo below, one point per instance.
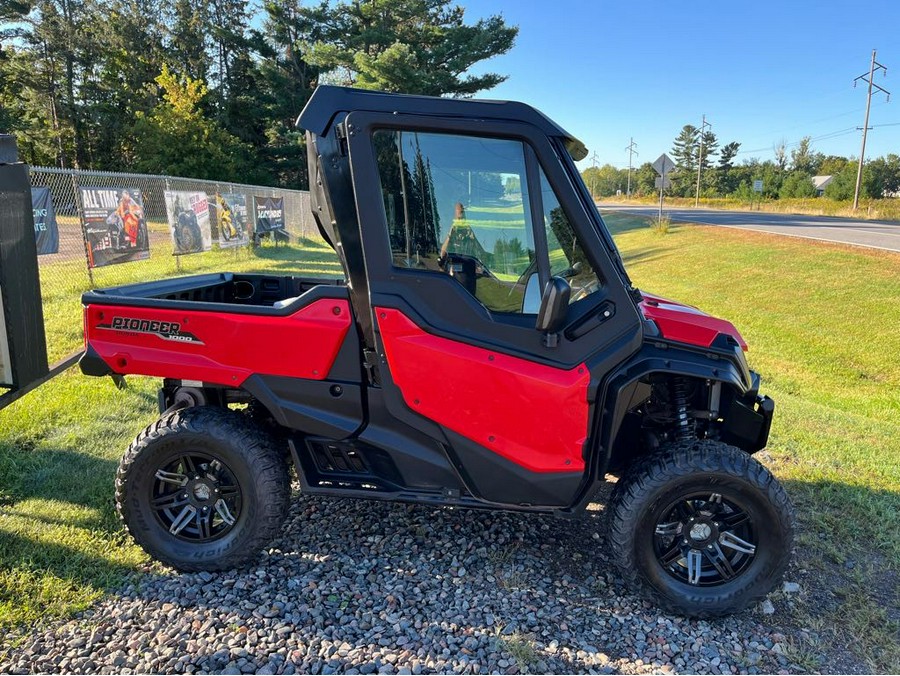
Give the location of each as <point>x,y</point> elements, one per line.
<point>567,258</point>
<point>458,205</point>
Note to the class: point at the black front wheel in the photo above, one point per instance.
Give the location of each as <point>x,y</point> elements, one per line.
<point>203,489</point>
<point>701,528</point>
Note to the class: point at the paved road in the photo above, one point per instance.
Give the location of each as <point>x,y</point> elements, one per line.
<point>874,234</point>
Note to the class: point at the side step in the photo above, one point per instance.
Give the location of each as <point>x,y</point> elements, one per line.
<point>325,465</point>
<point>358,470</point>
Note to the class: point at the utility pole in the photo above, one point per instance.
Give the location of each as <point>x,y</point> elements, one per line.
<point>631,151</point>
<point>703,127</point>
<point>862,153</point>
<point>593,174</point>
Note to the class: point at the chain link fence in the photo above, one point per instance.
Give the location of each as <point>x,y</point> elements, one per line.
<point>66,275</point>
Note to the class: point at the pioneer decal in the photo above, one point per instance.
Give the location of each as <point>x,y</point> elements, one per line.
<point>165,330</point>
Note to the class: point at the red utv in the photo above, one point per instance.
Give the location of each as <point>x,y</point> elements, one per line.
<point>485,349</point>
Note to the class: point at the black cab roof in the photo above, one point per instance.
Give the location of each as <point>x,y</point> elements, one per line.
<point>327,101</point>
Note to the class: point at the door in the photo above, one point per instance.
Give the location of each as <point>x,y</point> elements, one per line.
<point>463,223</point>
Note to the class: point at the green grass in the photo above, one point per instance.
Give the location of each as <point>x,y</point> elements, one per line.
<point>518,645</point>
<point>821,321</point>
<point>60,544</point>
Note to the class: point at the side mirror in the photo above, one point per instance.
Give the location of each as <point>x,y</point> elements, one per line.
<point>554,304</point>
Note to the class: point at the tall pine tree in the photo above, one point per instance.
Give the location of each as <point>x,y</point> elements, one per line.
<point>412,46</point>
<point>685,147</point>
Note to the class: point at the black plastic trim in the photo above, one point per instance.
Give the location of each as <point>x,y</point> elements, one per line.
<point>748,422</point>
<point>421,458</point>
<point>327,102</point>
<point>615,396</point>
<point>536,206</point>
<point>495,479</point>
<point>311,406</point>
<point>92,364</point>
<point>145,295</point>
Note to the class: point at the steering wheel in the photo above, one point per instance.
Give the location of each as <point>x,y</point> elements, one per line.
<point>451,258</point>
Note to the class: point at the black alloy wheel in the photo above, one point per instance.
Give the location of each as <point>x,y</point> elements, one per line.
<point>196,497</point>
<point>203,488</point>
<point>700,528</point>
<point>704,539</point>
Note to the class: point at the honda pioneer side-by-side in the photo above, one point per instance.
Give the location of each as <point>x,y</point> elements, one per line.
<point>486,349</point>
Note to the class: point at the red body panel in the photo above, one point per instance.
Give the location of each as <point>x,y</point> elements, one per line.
<point>687,324</point>
<point>531,414</point>
<point>218,347</point>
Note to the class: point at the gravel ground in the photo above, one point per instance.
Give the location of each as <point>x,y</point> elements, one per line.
<point>364,587</point>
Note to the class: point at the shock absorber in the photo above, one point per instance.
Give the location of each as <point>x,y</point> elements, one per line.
<point>684,425</point>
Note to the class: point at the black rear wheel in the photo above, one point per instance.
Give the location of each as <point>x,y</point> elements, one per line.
<point>203,489</point>
<point>701,528</point>
<point>196,497</point>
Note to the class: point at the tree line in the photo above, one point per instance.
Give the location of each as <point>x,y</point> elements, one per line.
<point>788,175</point>
<point>212,88</point>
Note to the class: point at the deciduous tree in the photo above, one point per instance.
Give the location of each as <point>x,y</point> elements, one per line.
<point>843,184</point>
<point>176,137</point>
<point>781,154</point>
<point>881,176</point>
<point>804,159</point>
<point>604,181</point>
<point>797,184</point>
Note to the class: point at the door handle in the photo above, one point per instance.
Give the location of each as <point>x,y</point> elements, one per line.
<point>589,322</point>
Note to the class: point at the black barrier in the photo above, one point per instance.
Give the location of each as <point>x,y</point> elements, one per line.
<point>46,229</point>
<point>23,348</point>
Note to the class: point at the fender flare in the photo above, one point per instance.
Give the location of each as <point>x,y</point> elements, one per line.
<point>725,366</point>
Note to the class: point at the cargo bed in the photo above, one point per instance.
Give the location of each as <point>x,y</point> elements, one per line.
<point>241,293</point>
<point>218,328</point>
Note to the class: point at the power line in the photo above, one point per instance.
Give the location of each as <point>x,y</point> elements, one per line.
<point>631,151</point>
<point>792,144</point>
<point>808,123</point>
<point>865,128</point>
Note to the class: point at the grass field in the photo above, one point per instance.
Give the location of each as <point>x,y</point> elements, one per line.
<point>821,323</point>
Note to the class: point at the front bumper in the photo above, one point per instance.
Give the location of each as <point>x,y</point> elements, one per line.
<point>748,419</point>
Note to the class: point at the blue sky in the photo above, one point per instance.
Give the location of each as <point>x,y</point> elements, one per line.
<point>761,71</point>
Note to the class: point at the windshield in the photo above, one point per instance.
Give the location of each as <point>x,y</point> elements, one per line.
<point>568,161</point>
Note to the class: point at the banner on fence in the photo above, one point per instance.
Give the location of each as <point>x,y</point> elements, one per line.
<point>188,214</point>
<point>46,231</point>
<point>231,217</point>
<point>269,214</point>
<point>115,230</point>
